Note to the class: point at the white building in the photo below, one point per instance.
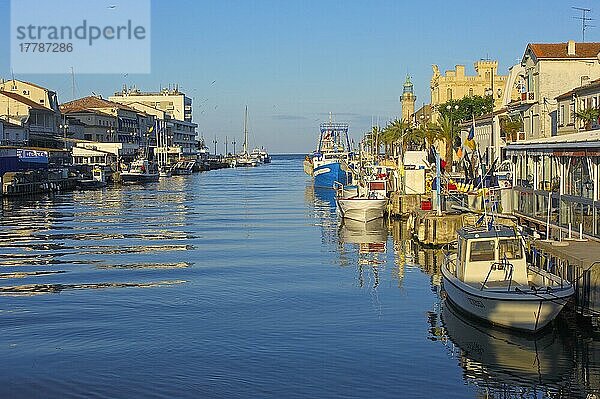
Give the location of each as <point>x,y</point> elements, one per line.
<point>104,154</point>
<point>175,136</point>
<point>549,70</point>
<point>175,103</point>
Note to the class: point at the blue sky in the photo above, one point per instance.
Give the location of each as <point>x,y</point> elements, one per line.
<point>293,62</point>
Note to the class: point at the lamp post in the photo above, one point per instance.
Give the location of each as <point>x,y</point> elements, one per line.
<point>111,133</point>
<point>451,111</point>
<point>215,143</point>
<point>226,152</point>
<point>233,142</point>
<point>65,127</point>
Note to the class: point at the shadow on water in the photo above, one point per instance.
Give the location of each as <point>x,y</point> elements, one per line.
<point>562,361</point>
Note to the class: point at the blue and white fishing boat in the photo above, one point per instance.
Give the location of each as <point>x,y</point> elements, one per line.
<point>329,163</point>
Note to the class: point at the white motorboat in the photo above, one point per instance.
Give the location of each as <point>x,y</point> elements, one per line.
<point>489,278</point>
<point>363,207</point>
<point>141,171</point>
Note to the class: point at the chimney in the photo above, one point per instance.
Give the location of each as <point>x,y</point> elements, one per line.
<point>571,47</point>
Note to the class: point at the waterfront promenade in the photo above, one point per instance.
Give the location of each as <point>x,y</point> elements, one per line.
<point>228,284</point>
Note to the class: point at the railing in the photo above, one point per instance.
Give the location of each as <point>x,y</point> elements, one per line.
<point>502,265</point>
<point>548,276</point>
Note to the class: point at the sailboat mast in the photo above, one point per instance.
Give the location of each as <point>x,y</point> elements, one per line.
<point>246,131</point>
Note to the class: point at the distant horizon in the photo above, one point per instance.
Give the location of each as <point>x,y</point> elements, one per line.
<point>292,63</point>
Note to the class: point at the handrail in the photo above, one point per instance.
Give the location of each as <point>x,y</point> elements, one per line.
<point>548,275</point>
<point>493,266</point>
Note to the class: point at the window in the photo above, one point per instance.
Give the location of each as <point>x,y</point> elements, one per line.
<point>471,92</point>
<point>572,113</point>
<point>483,251</point>
<point>510,249</point>
<point>449,94</point>
<point>561,115</point>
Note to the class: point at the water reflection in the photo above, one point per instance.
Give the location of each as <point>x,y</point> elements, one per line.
<point>73,234</point>
<point>369,240</point>
<point>505,364</point>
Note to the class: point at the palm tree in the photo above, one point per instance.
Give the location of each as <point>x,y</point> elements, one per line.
<point>448,131</point>
<point>430,132</point>
<point>392,133</point>
<point>588,115</point>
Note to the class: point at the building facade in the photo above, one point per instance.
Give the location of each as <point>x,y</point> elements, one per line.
<point>548,71</point>
<point>455,84</point>
<point>41,122</point>
<point>175,137</point>
<point>107,121</point>
<point>13,135</point>
<point>171,101</point>
<point>580,99</point>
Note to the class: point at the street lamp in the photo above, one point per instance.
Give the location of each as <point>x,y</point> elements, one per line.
<point>215,143</point>
<point>111,133</point>
<point>233,142</point>
<point>65,127</point>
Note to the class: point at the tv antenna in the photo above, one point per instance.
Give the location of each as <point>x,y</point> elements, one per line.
<point>584,20</point>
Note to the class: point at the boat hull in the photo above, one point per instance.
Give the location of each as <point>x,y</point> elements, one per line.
<point>327,175</point>
<point>362,209</point>
<point>139,178</point>
<point>521,310</point>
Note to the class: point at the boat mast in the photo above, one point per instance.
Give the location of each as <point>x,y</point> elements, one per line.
<point>246,131</point>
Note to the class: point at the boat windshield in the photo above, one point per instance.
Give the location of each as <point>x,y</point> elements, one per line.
<point>483,251</point>
<point>510,249</point>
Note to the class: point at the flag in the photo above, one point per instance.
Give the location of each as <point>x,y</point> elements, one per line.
<point>471,144</point>
<point>470,140</point>
<point>431,155</point>
<point>471,134</point>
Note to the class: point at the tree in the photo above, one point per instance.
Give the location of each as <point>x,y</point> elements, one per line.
<point>448,131</point>
<point>430,133</point>
<point>511,126</point>
<point>588,116</point>
<point>394,135</point>
<point>467,108</point>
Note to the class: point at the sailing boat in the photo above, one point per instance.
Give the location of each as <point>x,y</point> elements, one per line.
<point>244,159</point>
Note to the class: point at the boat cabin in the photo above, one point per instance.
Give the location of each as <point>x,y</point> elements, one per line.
<point>488,258</point>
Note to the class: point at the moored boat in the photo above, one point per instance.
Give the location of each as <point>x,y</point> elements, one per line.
<point>141,171</point>
<point>98,180</point>
<point>489,278</point>
<point>245,159</point>
<point>329,163</point>
<point>361,203</point>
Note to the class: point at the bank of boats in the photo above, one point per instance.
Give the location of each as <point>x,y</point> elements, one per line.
<point>360,195</point>
<point>257,157</point>
<point>489,278</point>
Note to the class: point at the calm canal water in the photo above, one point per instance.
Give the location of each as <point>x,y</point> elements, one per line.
<point>242,283</point>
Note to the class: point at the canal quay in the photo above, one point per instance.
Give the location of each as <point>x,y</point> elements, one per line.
<point>229,284</point>
<point>311,200</point>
